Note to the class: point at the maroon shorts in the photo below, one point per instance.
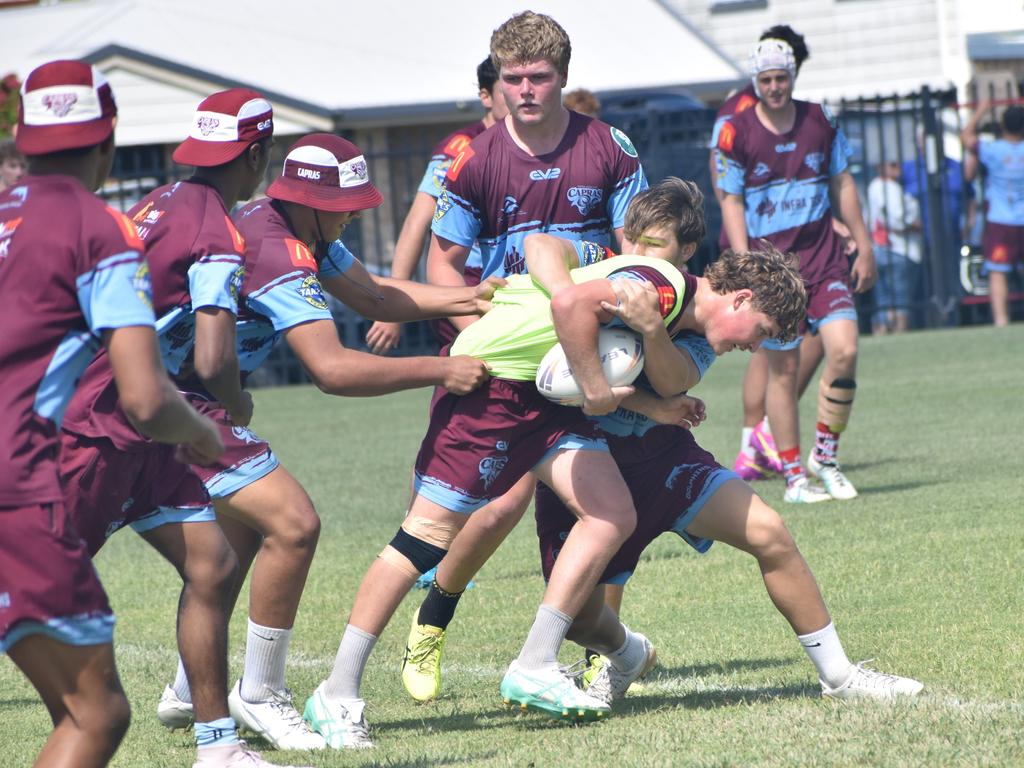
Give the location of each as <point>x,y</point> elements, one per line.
<point>106,489</point>
<point>47,581</point>
<point>443,329</point>
<point>479,445</point>
<point>247,457</point>
<point>1003,245</point>
<point>670,478</point>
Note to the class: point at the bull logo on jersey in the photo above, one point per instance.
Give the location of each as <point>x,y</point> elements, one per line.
<point>510,207</point>
<point>235,282</point>
<point>762,169</point>
<point>814,161</point>
<point>206,124</point>
<point>244,434</point>
<point>444,204</point>
<point>490,467</point>
<point>624,143</point>
<point>766,208</point>
<point>584,199</point>
<point>514,263</point>
<point>313,292</point>
<point>60,103</point>
<point>143,284</point>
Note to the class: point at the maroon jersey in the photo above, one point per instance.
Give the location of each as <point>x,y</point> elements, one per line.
<point>444,152</point>
<point>496,193</point>
<point>784,180</point>
<point>70,267</point>
<point>742,100</point>
<point>195,256</point>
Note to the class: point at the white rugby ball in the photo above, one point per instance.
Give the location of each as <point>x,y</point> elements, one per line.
<point>622,358</point>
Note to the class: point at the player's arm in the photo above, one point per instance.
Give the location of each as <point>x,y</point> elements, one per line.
<point>548,261</point>
<point>668,369</point>
<point>713,170</point>
<point>446,261</point>
<point>216,362</point>
<point>678,410</point>
<point>384,336</point>
<point>150,399</point>
<point>337,370</point>
<point>734,221</point>
<point>843,190</point>
<point>399,301</point>
<point>969,134</point>
<point>577,315</point>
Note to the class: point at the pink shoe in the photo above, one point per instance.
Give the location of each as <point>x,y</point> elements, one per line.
<point>751,469</point>
<point>764,447</point>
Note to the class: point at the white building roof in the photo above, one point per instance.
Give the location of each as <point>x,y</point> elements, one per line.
<point>324,63</point>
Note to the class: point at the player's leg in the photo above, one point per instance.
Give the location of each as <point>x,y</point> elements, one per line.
<point>476,542</point>
<point>208,569</point>
<point>335,710</point>
<point>836,392</point>
<point>751,462</point>
<point>275,513</point>
<point>736,516</point>
<point>783,364</point>
<point>81,690</point>
<point>811,354</point>
<point>589,484</point>
<point>998,245</point>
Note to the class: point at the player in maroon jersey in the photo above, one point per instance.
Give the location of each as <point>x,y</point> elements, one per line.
<point>72,278</point>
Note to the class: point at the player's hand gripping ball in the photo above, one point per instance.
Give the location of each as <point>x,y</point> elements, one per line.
<point>622,358</point>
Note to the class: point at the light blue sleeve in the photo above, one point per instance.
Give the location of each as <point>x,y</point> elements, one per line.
<point>698,349</point>
<point>733,179</point>
<point>623,193</point>
<point>215,280</point>
<point>338,261</point>
<point>294,299</point>
<point>455,219</point>
<point>433,177</point>
<point>986,155</point>
<point>841,154</point>
<point>116,293</point>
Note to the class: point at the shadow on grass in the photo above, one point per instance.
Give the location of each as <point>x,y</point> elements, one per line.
<point>432,762</point>
<point>639,704</point>
<point>897,487</point>
<point>703,670</point>
<point>18,704</point>
<point>455,721</point>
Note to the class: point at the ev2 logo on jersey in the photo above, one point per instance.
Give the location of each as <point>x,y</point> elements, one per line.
<point>545,174</point>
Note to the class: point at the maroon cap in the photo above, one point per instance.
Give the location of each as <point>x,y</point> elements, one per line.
<point>326,173</point>
<point>224,125</point>
<point>64,105</point>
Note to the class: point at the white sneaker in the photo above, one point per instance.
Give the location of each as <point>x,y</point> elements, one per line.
<point>234,756</point>
<point>866,683</point>
<point>276,720</point>
<point>551,692</point>
<point>832,478</point>
<point>610,684</point>
<point>802,492</point>
<point>340,728</point>
<point>173,712</point>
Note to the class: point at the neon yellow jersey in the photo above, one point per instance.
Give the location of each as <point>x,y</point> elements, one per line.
<point>518,331</point>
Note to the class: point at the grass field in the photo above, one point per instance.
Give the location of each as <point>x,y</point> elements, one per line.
<point>924,573</point>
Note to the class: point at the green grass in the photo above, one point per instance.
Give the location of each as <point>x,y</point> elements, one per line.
<point>923,573</point>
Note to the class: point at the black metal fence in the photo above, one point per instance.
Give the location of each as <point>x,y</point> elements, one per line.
<point>918,131</point>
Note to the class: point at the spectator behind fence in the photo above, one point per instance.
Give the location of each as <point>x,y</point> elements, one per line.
<point>1003,159</point>
<point>12,165</point>
<point>583,101</point>
<point>894,220</point>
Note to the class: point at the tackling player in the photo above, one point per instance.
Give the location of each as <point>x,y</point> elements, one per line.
<point>265,513</point>
<point>784,160</point>
<point>113,476</point>
<point>72,278</point>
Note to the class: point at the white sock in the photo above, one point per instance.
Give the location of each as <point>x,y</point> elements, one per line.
<point>827,655</point>
<point>630,655</point>
<point>266,650</point>
<point>765,426</point>
<point>745,446</point>
<point>545,638</point>
<point>349,665</point>
<point>180,685</point>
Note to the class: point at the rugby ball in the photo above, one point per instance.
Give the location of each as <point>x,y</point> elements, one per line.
<point>622,358</point>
